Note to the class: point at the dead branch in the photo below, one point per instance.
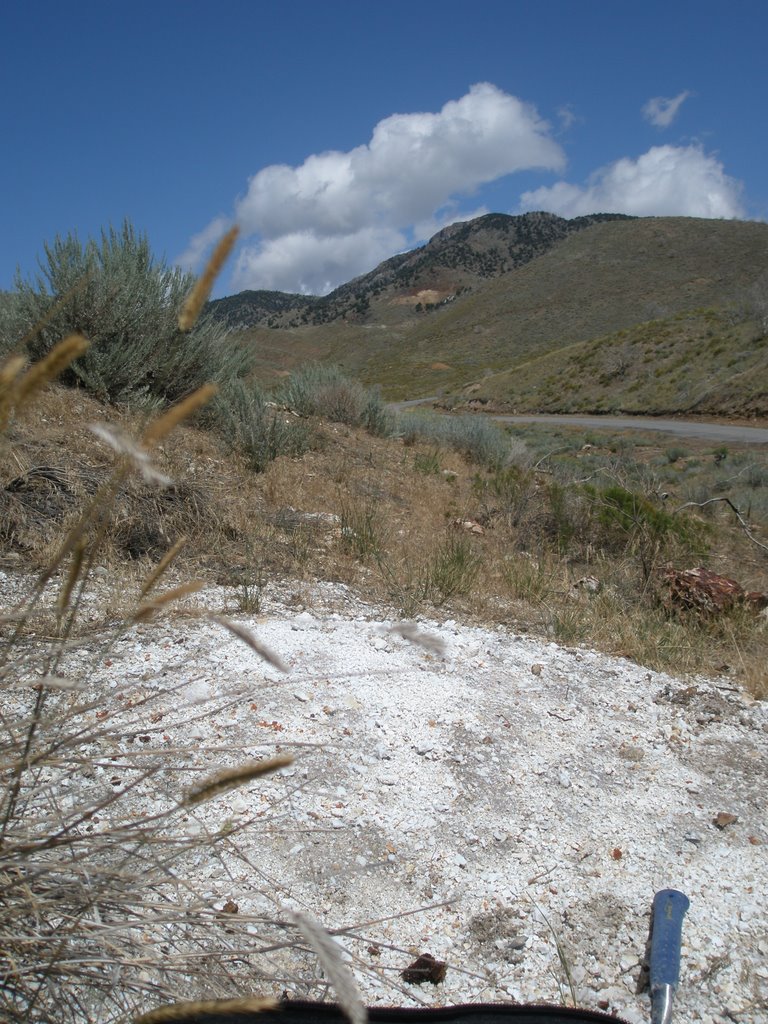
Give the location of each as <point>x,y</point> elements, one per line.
<point>741,520</point>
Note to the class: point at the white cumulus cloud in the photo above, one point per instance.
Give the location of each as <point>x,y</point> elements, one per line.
<point>311,263</point>
<point>313,226</point>
<point>661,111</point>
<point>679,181</point>
<point>199,244</point>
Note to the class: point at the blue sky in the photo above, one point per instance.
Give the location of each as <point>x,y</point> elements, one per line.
<point>337,134</point>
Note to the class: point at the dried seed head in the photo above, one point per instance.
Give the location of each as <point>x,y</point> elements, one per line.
<point>124,445</point>
<point>146,611</point>
<point>177,1013</point>
<point>49,367</point>
<point>248,638</point>
<point>162,426</point>
<point>410,631</point>
<point>9,371</point>
<point>329,953</point>
<point>75,568</point>
<point>235,777</point>
<point>196,299</point>
<point>162,566</point>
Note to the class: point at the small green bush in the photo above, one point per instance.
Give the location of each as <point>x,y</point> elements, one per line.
<point>675,453</point>
<point>565,514</point>
<point>376,418</point>
<point>451,570</point>
<point>417,426</point>
<point>505,492</point>
<point>361,525</point>
<point>318,390</point>
<point>631,522</point>
<point>756,476</point>
<point>427,463</point>
<point>247,423</point>
<point>478,439</point>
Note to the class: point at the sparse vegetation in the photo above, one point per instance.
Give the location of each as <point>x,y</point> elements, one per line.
<point>536,528</point>
<point>255,427</point>
<point>477,438</point>
<point>325,391</point>
<point>548,318</point>
<point>451,570</point>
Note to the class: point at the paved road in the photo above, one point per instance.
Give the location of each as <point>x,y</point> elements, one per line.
<point>681,428</point>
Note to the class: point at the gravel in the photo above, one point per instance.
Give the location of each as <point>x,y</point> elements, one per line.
<point>505,804</point>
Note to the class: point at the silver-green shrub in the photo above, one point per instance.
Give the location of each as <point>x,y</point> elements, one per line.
<point>318,390</point>
<point>126,303</point>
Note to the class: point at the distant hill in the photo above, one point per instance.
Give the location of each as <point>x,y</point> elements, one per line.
<point>454,261</point>
<point>492,309</point>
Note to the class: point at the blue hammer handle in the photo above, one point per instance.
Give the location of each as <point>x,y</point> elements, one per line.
<point>669,907</point>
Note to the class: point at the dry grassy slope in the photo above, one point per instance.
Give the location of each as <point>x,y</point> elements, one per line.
<point>377,515</point>
<point>696,363</point>
<point>606,278</point>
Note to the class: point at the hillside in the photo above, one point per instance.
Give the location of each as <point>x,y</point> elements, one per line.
<point>700,362</point>
<point>455,260</point>
<point>607,277</point>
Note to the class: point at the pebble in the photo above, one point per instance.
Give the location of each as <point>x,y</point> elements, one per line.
<point>631,753</point>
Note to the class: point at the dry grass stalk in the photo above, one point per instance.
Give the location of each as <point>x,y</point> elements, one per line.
<point>150,608</point>
<point>197,298</point>
<point>49,367</point>
<point>235,777</point>
<point>93,520</point>
<point>75,568</point>
<point>59,683</point>
<point>9,371</point>
<point>162,566</point>
<point>428,641</point>
<point>338,974</point>
<point>162,426</point>
<point>177,1013</point>
<point>248,638</point>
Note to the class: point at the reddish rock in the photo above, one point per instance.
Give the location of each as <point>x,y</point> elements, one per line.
<point>425,968</point>
<point>706,593</point>
<point>723,819</point>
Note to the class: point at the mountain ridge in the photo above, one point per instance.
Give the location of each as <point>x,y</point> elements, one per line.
<point>431,324</point>
<point>454,260</point>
